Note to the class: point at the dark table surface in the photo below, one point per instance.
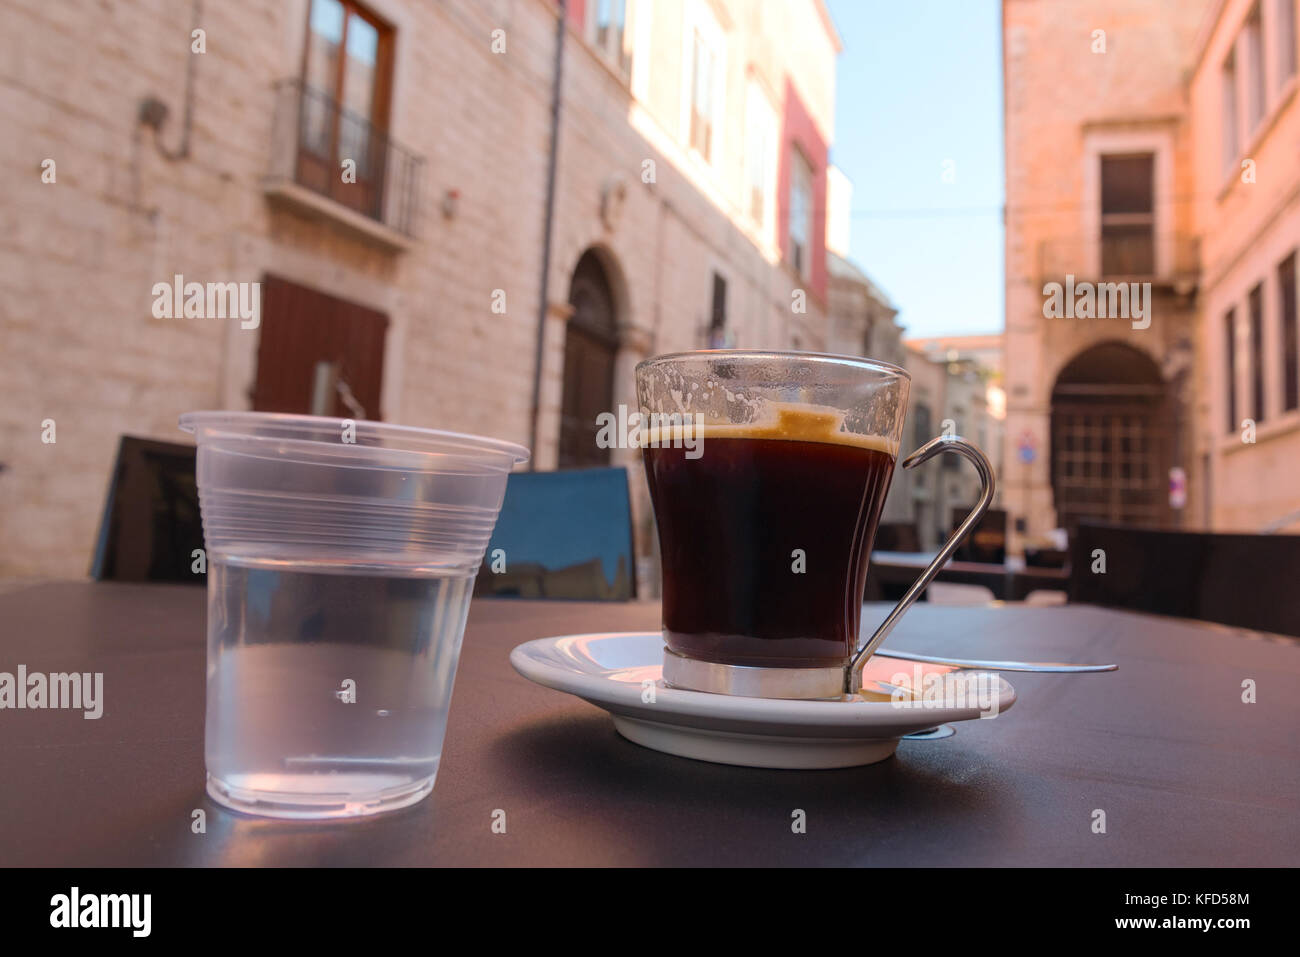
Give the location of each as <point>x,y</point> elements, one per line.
<point>1185,772</point>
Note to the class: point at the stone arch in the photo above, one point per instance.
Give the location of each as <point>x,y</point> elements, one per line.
<point>1112,438</point>
<point>615,275</point>
<point>1067,353</point>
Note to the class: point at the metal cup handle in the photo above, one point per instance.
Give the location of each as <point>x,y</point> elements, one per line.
<point>942,443</point>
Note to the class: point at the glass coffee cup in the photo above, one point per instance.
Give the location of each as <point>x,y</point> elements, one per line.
<point>768,473</point>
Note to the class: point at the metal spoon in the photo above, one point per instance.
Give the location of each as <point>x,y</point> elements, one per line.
<point>1043,667</point>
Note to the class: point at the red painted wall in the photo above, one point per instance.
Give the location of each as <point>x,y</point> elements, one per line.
<point>578,13</point>
<point>798,129</point>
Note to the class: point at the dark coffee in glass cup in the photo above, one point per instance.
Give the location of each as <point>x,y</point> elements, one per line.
<point>768,473</point>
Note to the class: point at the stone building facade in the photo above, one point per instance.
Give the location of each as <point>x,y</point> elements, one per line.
<point>1104,270</point>
<point>970,400</point>
<point>927,496</point>
<point>1246,129</point>
<point>381,168</point>
<point>862,321</point>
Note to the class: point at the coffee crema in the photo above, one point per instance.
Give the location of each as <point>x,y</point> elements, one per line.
<point>765,537</point>
<point>802,423</point>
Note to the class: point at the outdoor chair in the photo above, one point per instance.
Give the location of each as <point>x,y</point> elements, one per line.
<point>150,526</point>
<point>1249,581</point>
<point>564,534</point>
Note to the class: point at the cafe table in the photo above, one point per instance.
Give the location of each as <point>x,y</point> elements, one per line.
<point>1185,756</point>
<point>1002,579</point>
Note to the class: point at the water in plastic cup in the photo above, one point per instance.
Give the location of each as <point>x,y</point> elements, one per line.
<point>341,558</point>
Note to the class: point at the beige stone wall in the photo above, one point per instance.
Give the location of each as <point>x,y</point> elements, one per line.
<point>78,257</point>
<point>1248,228</point>
<point>766,43</point>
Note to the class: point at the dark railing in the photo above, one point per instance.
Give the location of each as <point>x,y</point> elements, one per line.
<point>339,154</point>
<point>1122,255</point>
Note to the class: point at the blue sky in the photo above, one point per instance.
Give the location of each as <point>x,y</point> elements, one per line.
<point>920,83</point>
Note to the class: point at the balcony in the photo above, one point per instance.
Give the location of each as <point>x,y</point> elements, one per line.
<point>331,163</point>
<point>1124,254</point>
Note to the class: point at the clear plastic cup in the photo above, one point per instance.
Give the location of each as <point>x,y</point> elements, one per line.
<point>341,558</point>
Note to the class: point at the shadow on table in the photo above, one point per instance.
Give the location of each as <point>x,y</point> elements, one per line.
<point>165,837</point>
<point>664,810</point>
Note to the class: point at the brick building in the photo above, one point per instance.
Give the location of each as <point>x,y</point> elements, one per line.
<point>381,169</point>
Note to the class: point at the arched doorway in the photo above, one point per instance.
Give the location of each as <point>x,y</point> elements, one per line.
<point>590,345</point>
<point>1113,434</point>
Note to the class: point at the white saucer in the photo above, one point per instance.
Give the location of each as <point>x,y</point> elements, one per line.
<point>618,671</point>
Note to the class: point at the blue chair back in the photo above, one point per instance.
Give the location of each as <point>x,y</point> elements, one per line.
<point>565,534</point>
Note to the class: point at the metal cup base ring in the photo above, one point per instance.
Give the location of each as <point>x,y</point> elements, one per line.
<point>749,681</point>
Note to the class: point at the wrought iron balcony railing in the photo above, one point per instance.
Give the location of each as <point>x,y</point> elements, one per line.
<point>1125,255</point>
<point>339,154</point>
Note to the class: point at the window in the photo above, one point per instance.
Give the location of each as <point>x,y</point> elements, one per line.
<point>1230,356</point>
<point>1255,70</point>
<point>1286,56</point>
<point>1257,351</point>
<point>921,430</point>
<point>1286,310</point>
<point>1231,146</point>
<point>607,31</point>
<point>1128,215</point>
<point>704,54</point>
<point>702,97</point>
<point>951,463</point>
<point>760,155</point>
<point>718,318</point>
<point>801,212</point>
<point>347,76</point>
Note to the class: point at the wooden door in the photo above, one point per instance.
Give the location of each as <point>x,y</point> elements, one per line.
<point>302,327</point>
<point>590,345</point>
<point>1111,459</point>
